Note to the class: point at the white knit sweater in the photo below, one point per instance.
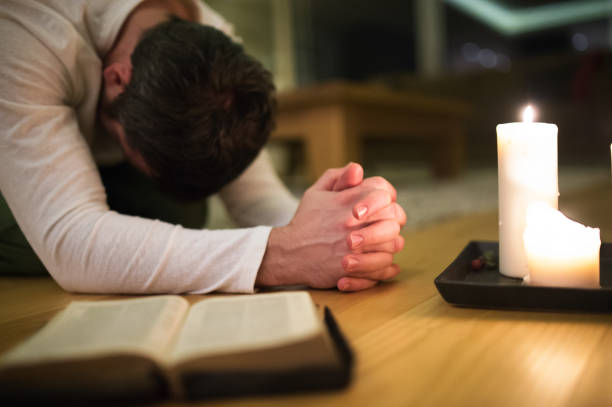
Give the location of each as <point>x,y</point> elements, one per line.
<point>50,79</point>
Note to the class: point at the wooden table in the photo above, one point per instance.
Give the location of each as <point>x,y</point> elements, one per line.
<point>412,348</point>
<point>332,118</point>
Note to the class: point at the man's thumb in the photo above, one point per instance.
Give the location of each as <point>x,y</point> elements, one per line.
<point>350,177</point>
<point>336,179</point>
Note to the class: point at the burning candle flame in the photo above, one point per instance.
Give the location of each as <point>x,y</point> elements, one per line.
<point>528,114</point>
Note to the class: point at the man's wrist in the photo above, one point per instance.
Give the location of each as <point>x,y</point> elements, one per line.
<point>275,270</point>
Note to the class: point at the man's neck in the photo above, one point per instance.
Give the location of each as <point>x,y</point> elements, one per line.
<point>146,15</point>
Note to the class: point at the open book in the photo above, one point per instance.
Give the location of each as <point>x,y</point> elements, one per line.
<point>159,346</point>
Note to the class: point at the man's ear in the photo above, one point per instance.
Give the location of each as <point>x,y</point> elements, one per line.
<point>116,77</point>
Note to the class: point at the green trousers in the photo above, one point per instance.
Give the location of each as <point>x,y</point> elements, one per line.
<point>128,191</point>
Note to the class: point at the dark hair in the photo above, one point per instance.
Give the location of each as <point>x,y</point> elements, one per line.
<point>197,107</point>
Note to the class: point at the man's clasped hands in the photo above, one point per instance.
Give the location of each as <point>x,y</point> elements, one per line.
<point>344,234</point>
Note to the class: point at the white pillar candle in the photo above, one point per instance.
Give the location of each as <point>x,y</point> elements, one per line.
<point>560,252</point>
<point>527,172</point>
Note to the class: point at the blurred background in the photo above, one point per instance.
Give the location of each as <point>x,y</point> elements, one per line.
<point>485,58</point>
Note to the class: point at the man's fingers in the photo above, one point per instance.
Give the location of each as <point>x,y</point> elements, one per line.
<point>368,280</point>
<point>356,264</point>
<point>328,180</point>
<point>378,232</point>
<point>393,211</point>
<point>393,246</point>
<point>355,284</point>
<point>381,274</point>
<point>370,203</point>
<point>350,177</point>
<point>377,182</point>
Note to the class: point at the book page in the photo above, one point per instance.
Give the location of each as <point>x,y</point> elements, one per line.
<point>234,323</point>
<point>144,325</point>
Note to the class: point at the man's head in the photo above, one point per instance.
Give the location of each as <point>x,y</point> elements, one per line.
<point>192,111</point>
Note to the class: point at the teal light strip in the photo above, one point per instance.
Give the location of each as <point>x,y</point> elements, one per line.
<point>518,21</point>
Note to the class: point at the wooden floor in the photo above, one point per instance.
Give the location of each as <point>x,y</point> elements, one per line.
<point>412,348</point>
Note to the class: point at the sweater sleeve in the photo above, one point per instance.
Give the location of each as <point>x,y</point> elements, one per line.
<point>258,197</point>
<point>208,16</point>
<point>51,184</point>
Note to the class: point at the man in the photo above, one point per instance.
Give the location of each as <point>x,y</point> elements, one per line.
<point>191,111</point>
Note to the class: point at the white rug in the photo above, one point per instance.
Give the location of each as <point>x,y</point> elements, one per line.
<point>476,191</point>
